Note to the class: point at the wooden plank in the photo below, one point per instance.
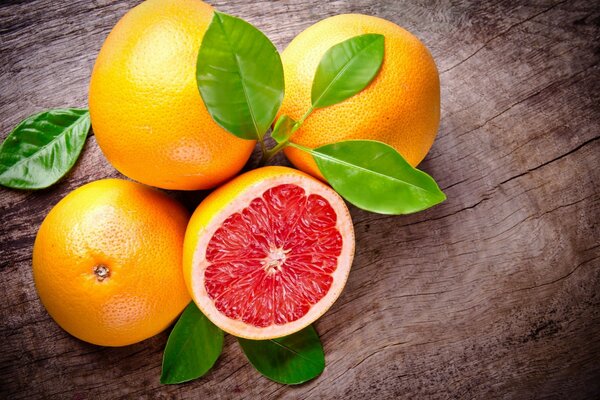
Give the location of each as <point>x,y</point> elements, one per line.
<point>493,293</point>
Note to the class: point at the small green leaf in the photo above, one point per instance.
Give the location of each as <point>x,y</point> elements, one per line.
<point>346,69</point>
<point>240,76</point>
<point>375,177</point>
<point>192,349</point>
<point>290,360</point>
<point>283,129</point>
<point>43,148</point>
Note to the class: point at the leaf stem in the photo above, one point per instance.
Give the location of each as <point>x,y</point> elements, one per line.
<point>300,147</point>
<point>270,153</point>
<point>263,146</point>
<point>301,120</point>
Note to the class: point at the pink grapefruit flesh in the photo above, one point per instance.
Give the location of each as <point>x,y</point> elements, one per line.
<point>275,258</point>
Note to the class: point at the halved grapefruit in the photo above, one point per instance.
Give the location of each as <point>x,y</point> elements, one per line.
<point>268,253</point>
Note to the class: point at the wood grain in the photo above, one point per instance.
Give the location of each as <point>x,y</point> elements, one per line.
<point>495,293</point>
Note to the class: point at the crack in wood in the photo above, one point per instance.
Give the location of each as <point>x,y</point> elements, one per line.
<point>557,279</point>
<point>487,42</point>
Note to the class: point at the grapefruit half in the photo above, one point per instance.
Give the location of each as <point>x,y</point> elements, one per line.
<point>268,253</point>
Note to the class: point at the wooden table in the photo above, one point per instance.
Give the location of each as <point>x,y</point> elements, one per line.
<point>493,294</point>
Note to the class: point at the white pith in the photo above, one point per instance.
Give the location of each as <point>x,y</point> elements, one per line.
<point>275,259</point>
<point>340,275</point>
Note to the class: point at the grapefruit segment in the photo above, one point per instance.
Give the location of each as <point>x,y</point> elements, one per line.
<point>268,253</point>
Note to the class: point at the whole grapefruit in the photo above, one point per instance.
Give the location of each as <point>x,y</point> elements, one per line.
<point>400,107</point>
<point>107,262</point>
<point>146,110</point>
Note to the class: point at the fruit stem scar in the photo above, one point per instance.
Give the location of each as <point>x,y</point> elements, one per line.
<point>102,272</point>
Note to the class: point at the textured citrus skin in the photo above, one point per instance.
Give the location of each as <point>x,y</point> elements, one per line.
<point>241,190</point>
<point>400,107</point>
<point>146,110</point>
<point>137,233</point>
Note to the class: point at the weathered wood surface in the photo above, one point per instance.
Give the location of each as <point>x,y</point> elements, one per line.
<point>495,293</point>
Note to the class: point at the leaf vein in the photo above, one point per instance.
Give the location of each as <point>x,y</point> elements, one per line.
<point>242,80</point>
<point>295,352</point>
<point>41,151</point>
<point>392,178</point>
<point>338,75</point>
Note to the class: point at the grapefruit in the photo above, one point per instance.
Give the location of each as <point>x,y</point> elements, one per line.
<point>400,107</point>
<point>146,111</point>
<point>268,253</point>
<point>107,262</point>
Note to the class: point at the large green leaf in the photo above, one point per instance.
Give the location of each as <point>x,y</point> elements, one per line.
<point>346,69</point>
<point>240,76</point>
<point>375,177</point>
<point>43,148</point>
<point>290,360</point>
<point>192,349</point>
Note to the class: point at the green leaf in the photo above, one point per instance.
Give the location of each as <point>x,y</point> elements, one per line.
<point>290,360</point>
<point>375,177</point>
<point>346,69</point>
<point>43,148</point>
<point>192,349</point>
<point>283,129</point>
<point>240,76</point>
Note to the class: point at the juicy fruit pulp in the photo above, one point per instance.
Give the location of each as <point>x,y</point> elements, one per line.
<point>268,253</point>
<point>271,262</point>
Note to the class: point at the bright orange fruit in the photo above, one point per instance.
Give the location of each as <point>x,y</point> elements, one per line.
<point>146,110</point>
<point>107,262</point>
<point>400,107</point>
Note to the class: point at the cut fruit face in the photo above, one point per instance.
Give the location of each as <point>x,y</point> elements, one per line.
<point>274,259</point>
